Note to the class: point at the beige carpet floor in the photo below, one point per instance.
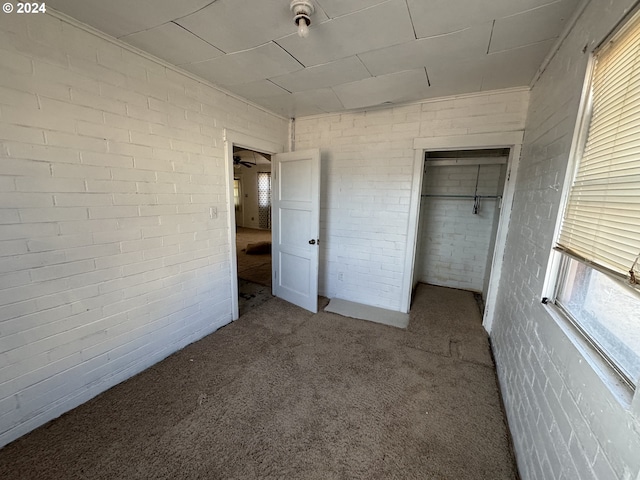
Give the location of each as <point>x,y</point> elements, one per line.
<point>283,393</point>
<point>254,268</point>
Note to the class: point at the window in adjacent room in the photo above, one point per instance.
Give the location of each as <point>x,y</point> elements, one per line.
<point>598,282</point>
<point>264,199</point>
<point>237,199</point>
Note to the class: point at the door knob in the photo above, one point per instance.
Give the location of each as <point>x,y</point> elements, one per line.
<point>312,242</point>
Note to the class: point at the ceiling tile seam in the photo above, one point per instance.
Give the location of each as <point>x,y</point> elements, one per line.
<point>195,11</point>
<point>254,48</point>
<point>318,6</point>
<point>288,53</point>
<point>464,29</point>
<point>152,58</point>
<point>338,97</point>
<point>272,80</point>
<point>364,65</point>
<point>198,36</point>
<point>493,25</point>
<point>421,101</point>
<point>143,30</point>
<point>396,72</point>
<point>278,85</point>
<point>170,21</point>
<point>452,32</point>
<point>415,35</point>
<point>352,54</point>
<point>521,46</point>
<point>532,9</point>
<point>329,19</point>
<point>328,62</point>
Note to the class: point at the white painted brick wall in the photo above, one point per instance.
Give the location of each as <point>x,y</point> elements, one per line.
<point>454,242</point>
<point>109,261</point>
<point>566,422</point>
<point>367,168</point>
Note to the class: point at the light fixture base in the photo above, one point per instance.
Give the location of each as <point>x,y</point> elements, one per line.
<point>302,10</point>
<point>302,6</point>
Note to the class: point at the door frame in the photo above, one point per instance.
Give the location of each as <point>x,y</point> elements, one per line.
<point>249,142</point>
<point>512,141</point>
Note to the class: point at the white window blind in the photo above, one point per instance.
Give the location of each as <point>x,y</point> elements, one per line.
<point>601,222</point>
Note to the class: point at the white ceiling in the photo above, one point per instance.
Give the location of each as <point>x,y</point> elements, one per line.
<point>359,53</point>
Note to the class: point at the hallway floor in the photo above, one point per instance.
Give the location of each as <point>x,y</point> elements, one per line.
<point>254,268</point>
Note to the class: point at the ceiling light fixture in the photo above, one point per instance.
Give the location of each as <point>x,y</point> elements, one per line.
<point>302,10</point>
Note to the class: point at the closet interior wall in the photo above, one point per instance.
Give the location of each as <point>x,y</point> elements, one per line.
<point>459,213</point>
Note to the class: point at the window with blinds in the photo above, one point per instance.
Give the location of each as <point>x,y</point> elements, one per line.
<point>599,237</point>
<point>601,223</point>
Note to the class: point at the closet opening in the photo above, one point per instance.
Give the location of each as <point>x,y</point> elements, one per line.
<point>459,215</point>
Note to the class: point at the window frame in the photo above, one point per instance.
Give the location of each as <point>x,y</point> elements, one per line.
<point>557,267</point>
<point>593,342</point>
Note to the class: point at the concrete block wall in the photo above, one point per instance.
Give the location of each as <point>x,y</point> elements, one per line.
<point>455,243</point>
<point>367,168</point>
<point>109,259</point>
<point>568,418</point>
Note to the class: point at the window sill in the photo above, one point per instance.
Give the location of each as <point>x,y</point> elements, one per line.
<point>623,393</point>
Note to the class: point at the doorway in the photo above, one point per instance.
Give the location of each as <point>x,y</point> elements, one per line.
<point>512,141</point>
<point>252,201</point>
<point>459,215</point>
<point>234,141</point>
<point>296,221</point>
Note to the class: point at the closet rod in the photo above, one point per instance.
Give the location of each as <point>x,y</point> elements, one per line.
<point>460,196</point>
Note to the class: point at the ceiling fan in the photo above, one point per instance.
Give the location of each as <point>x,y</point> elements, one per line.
<point>237,161</point>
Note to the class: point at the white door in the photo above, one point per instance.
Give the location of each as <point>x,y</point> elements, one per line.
<point>296,226</point>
